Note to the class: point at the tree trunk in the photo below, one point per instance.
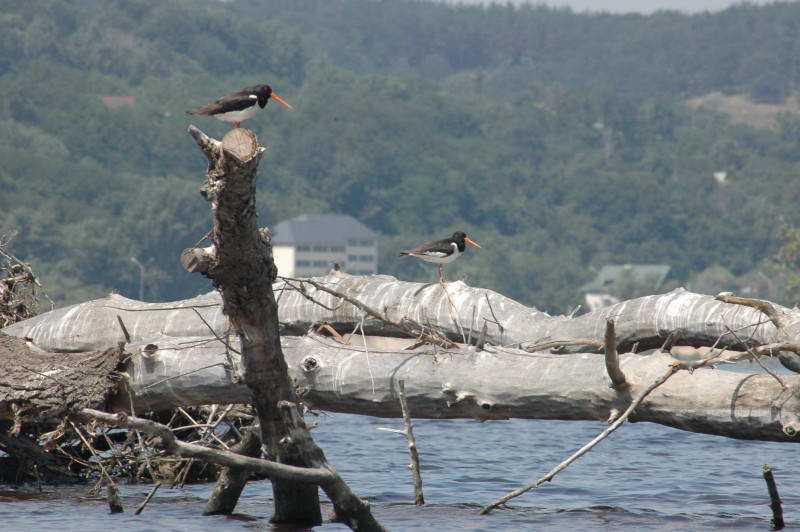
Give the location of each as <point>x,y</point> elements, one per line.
<point>231,481</point>
<point>242,268</point>
<point>243,271</point>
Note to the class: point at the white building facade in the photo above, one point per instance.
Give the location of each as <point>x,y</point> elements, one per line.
<point>310,245</point>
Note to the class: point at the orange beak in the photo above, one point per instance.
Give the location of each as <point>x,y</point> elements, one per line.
<point>280,100</point>
<point>471,242</point>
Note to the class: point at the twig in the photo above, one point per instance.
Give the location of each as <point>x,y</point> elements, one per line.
<point>375,314</point>
<point>114,502</point>
<point>138,434</point>
<point>482,337</point>
<point>451,309</point>
<point>756,358</point>
<point>673,368</point>
<point>188,416</point>
<point>328,327</point>
<point>672,339</point>
<point>759,304</point>
<point>215,456</point>
<point>183,375</point>
<point>419,498</point>
<point>124,329</point>
<point>496,321</point>
<point>616,375</point>
<point>303,293</point>
<point>471,325</point>
<point>366,354</point>
<point>147,499</point>
<point>210,328</point>
<point>159,309</point>
<point>412,445</point>
<point>205,237</point>
<point>774,498</point>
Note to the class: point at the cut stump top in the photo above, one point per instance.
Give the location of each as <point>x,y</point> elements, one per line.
<point>241,142</point>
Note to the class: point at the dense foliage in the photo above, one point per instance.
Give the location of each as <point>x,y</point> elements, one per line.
<point>558,141</point>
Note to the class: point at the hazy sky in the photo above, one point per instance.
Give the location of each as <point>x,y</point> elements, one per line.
<point>628,6</point>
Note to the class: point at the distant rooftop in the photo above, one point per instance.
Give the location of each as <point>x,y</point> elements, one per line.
<point>115,102</point>
<point>611,274</point>
<point>320,229</point>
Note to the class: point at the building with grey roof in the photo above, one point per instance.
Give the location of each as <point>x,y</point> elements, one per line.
<point>311,244</point>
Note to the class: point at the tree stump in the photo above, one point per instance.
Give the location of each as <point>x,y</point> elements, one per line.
<point>243,143</point>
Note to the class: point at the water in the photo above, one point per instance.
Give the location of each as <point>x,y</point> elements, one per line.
<point>643,477</point>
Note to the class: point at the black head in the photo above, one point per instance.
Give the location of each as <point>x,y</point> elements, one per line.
<point>263,92</point>
<point>460,238</point>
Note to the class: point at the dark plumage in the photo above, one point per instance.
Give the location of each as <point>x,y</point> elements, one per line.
<point>240,105</point>
<point>441,251</point>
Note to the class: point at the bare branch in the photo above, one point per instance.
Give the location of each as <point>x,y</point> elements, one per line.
<point>616,375</point>
<point>225,458</point>
<point>774,498</point>
<point>673,369</point>
<point>759,304</point>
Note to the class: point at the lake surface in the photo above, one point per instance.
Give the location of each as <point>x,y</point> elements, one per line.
<point>643,477</point>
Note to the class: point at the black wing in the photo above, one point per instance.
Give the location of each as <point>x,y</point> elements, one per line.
<point>236,101</point>
<point>441,248</point>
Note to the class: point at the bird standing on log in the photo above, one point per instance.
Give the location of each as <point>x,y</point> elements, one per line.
<point>442,251</point>
<point>239,106</point>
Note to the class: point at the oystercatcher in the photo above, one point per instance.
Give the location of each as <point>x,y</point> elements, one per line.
<point>241,105</point>
<point>441,251</point>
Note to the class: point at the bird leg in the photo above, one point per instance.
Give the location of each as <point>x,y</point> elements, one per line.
<point>441,273</point>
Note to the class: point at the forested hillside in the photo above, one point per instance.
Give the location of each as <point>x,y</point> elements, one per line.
<point>559,141</point>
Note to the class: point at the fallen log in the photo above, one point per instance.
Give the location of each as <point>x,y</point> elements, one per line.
<point>36,385</point>
<point>647,321</point>
<point>496,383</point>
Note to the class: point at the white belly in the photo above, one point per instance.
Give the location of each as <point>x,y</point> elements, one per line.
<point>440,259</point>
<point>238,116</point>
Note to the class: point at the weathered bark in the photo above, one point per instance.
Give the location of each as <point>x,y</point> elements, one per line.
<point>243,270</point>
<point>646,321</point>
<point>37,385</point>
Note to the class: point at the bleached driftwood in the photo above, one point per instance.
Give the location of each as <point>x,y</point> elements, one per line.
<point>467,383</point>
<point>646,321</point>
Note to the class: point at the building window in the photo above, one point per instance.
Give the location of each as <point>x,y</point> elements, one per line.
<point>366,243</point>
<point>303,264</point>
<point>303,248</point>
<point>352,242</point>
<point>321,248</point>
<point>365,272</point>
<point>352,258</point>
<point>337,249</point>
<point>320,263</point>
<point>366,258</point>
